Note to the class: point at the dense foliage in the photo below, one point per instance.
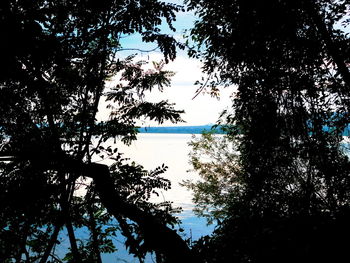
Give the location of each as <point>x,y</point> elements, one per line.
<point>277,184</point>
<point>56,57</point>
<point>289,61</point>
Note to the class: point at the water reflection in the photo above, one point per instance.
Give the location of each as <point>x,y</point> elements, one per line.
<point>152,150</point>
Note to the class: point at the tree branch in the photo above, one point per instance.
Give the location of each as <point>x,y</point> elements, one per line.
<point>157,235</point>
<point>137,49</point>
<point>52,241</point>
<point>327,37</point>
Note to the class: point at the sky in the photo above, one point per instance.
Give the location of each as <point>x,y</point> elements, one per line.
<point>201,110</point>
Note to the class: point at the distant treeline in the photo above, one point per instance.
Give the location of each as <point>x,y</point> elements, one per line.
<point>182,129</point>
<point>204,128</point>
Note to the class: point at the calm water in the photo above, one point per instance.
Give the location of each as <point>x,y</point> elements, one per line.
<point>152,150</point>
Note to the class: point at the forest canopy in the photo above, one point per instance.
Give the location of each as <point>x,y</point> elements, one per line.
<point>287,197</point>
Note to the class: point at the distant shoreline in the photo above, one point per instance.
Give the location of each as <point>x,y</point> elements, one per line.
<point>205,128</point>
<point>181,129</point>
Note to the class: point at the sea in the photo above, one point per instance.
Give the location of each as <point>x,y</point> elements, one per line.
<point>152,150</point>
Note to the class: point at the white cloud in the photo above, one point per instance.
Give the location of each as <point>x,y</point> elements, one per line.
<point>202,110</point>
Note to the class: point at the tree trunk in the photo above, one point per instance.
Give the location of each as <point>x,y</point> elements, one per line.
<point>52,242</point>
<point>94,235</point>
<point>328,39</point>
<point>157,235</point>
<point>65,204</point>
<point>72,240</point>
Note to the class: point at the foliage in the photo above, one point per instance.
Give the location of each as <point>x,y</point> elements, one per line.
<point>56,59</point>
<point>215,159</point>
<point>289,61</point>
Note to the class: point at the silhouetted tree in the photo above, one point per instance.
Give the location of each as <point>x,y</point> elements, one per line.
<point>215,158</point>
<point>289,61</point>
<point>56,57</point>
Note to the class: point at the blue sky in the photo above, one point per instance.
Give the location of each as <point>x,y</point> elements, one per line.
<point>199,111</point>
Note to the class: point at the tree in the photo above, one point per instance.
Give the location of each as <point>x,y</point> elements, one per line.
<point>289,61</point>
<point>215,158</point>
<point>56,59</point>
